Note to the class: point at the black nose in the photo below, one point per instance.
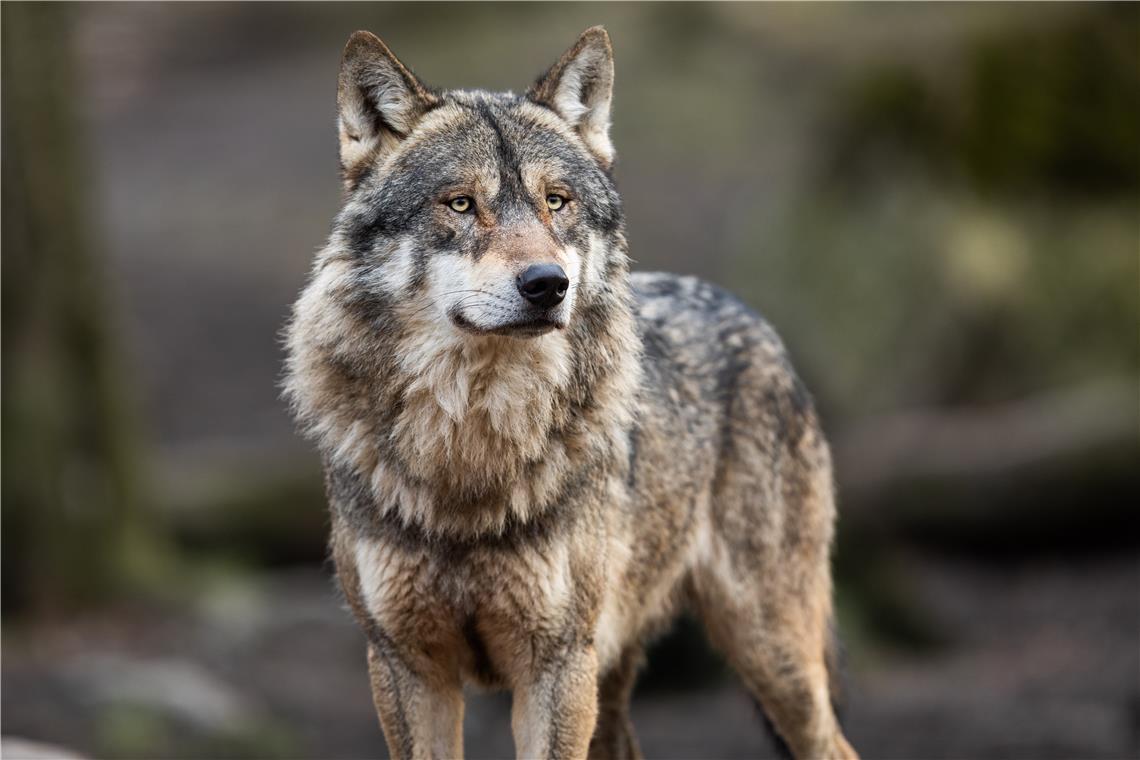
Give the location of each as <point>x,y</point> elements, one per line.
<point>543,284</point>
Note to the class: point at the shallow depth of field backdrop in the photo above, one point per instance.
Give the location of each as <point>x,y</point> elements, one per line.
<point>938,206</point>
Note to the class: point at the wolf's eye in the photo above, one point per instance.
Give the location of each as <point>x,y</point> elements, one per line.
<point>554,201</point>
<point>460,205</point>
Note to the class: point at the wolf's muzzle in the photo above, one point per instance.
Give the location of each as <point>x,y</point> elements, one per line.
<point>544,285</point>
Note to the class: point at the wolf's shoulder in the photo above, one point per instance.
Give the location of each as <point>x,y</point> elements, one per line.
<point>700,337</point>
<point>662,290</point>
<point>681,308</point>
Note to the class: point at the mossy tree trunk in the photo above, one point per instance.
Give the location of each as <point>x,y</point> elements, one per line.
<point>69,507</point>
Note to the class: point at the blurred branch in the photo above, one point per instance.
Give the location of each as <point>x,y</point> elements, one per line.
<point>978,441</point>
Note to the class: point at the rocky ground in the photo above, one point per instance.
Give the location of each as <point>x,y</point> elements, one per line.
<point>1039,662</point>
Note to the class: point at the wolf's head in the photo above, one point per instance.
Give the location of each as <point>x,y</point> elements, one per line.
<point>466,337</point>
<point>491,211</point>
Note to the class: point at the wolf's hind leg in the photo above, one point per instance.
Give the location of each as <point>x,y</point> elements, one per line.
<point>762,581</point>
<point>779,653</point>
<point>614,738</point>
<point>763,586</point>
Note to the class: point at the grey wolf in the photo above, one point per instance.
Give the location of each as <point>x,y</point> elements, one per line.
<point>534,459</point>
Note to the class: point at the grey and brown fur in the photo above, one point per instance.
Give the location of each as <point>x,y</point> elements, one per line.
<point>521,497</point>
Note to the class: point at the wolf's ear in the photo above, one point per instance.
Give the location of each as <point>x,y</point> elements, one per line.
<point>378,100</point>
<point>580,87</point>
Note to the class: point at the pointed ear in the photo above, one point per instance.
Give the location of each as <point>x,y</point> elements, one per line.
<point>378,100</point>
<point>580,87</point>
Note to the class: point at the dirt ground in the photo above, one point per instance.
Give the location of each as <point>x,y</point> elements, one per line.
<point>1040,662</point>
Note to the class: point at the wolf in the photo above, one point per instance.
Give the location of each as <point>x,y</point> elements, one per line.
<point>535,459</point>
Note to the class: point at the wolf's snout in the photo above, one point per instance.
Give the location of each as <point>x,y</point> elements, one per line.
<point>544,285</point>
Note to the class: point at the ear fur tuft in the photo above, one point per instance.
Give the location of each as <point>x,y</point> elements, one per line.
<point>579,88</point>
<point>379,101</point>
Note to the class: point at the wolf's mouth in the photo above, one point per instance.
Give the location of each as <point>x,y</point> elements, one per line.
<point>527,328</point>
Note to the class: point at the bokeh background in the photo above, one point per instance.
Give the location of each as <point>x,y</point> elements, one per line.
<point>937,205</point>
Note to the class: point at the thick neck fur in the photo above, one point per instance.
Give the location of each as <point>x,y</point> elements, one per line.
<point>460,434</point>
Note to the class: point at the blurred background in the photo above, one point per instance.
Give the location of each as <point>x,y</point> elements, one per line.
<point>938,206</point>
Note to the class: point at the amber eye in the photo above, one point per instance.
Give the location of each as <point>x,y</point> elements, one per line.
<point>554,201</point>
<point>460,205</point>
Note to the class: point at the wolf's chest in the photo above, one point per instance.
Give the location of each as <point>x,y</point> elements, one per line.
<point>471,409</point>
<point>478,615</point>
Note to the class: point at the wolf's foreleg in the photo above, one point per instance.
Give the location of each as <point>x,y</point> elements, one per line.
<point>421,720</point>
<point>614,738</point>
<point>554,711</point>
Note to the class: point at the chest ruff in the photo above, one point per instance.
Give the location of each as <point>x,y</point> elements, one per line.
<point>468,478</point>
<point>479,613</point>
